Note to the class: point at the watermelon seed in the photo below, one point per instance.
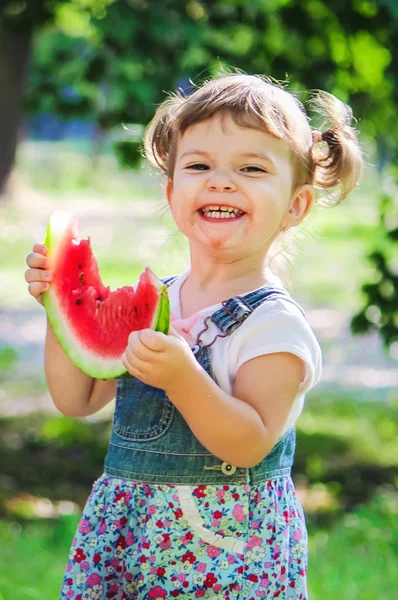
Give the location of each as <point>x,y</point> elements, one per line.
<point>78,301</point>
<point>135,309</point>
<point>79,266</point>
<point>99,299</point>
<point>147,305</point>
<point>81,278</point>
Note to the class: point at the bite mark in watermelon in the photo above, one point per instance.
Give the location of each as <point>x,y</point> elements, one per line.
<point>91,322</point>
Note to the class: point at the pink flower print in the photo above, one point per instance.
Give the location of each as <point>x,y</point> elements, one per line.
<point>238,513</point>
<point>165,543</point>
<point>220,494</point>
<point>267,565</point>
<point>260,594</point>
<point>231,559</point>
<point>167,523</point>
<point>94,579</point>
<point>298,535</point>
<point>129,538</point>
<point>254,541</point>
<point>215,522</point>
<point>157,592</point>
<point>181,577</point>
<point>151,509</point>
<point>213,551</point>
<point>201,567</point>
<point>69,567</point>
<point>264,582</point>
<point>286,516</point>
<point>217,588</point>
<point>185,539</point>
<point>152,558</point>
<point>84,565</point>
<point>280,492</point>
<point>102,527</point>
<point>153,570</point>
<point>84,526</point>
<point>70,594</point>
<point>200,593</point>
<point>255,524</point>
<point>125,496</point>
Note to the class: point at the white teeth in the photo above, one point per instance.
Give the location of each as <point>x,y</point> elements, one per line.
<point>221,215</point>
<point>222,212</point>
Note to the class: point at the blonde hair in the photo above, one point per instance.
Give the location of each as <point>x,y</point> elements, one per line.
<point>258,102</point>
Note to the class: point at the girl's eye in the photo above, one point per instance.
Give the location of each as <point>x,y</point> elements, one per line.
<point>254,169</point>
<point>198,167</point>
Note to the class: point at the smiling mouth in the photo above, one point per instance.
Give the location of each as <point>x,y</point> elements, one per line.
<point>217,213</point>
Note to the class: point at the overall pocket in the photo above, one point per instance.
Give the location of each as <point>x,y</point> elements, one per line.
<point>142,412</point>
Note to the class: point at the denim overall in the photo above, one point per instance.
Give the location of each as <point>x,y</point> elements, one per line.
<point>150,440</point>
<point>168,518</point>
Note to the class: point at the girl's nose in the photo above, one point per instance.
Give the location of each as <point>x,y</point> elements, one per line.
<point>220,182</point>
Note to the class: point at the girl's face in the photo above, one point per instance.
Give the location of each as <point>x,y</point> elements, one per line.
<point>220,166</point>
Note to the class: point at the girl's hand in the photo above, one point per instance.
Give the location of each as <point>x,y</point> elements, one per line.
<point>38,276</point>
<point>159,360</point>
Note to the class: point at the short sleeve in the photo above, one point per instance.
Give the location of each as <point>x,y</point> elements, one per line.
<point>279,326</point>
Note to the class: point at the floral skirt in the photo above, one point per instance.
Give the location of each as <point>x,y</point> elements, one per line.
<point>138,541</point>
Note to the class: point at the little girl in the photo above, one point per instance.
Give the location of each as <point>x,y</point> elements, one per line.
<point>196,498</point>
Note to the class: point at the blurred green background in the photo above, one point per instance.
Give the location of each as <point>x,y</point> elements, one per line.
<point>71,74</point>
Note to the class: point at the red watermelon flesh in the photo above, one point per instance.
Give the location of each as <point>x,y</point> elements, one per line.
<point>92,323</point>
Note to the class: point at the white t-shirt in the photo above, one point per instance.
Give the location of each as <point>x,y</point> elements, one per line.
<point>274,326</point>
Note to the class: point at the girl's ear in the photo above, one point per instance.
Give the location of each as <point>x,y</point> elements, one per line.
<point>168,188</point>
<point>301,204</point>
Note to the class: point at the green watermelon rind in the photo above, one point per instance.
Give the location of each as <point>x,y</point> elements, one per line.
<point>72,347</point>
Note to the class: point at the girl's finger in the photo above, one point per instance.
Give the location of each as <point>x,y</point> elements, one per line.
<point>139,359</point>
<point>36,260</point>
<point>132,369</point>
<point>40,248</point>
<point>36,289</point>
<point>137,348</point>
<point>154,340</point>
<point>32,275</point>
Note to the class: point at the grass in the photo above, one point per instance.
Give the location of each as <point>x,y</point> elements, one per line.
<point>33,558</point>
<point>354,560</point>
<point>357,558</point>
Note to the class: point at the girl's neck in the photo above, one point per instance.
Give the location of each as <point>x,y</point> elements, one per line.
<point>207,284</point>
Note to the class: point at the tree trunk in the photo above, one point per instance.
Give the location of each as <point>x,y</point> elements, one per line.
<point>14,56</point>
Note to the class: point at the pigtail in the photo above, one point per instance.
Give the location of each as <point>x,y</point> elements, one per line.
<point>337,162</point>
<point>159,134</point>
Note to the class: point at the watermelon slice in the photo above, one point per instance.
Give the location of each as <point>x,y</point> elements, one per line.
<point>91,323</point>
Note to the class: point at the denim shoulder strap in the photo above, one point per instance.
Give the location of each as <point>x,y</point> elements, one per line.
<point>236,310</point>
<point>169,279</point>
